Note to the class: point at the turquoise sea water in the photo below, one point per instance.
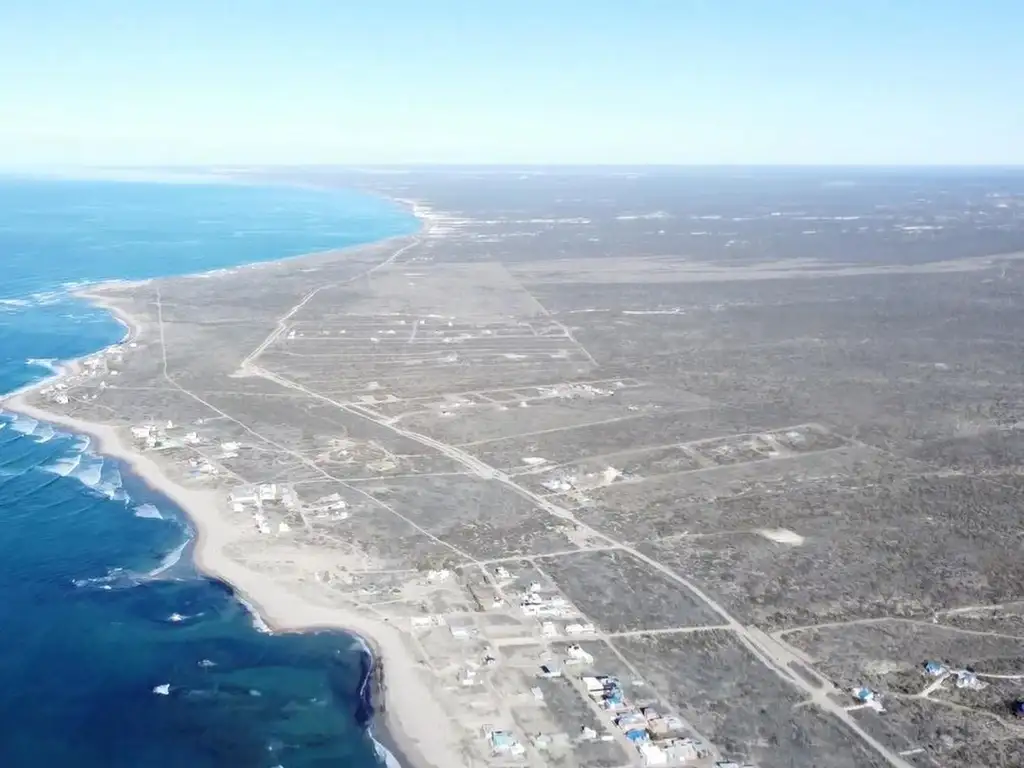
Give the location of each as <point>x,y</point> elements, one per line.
<point>98,608</point>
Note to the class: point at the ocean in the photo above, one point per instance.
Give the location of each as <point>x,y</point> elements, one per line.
<point>114,651</point>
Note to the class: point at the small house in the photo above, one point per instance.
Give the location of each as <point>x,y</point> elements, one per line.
<point>683,751</point>
<point>652,755</point>
<point>577,654</point>
<point>630,720</point>
<point>637,735</point>
<point>241,495</point>
<point>504,743</point>
<point>576,628</point>
<point>966,679</point>
<point>934,669</point>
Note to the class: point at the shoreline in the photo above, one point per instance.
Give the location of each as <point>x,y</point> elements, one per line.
<point>272,606</point>
<point>401,722</point>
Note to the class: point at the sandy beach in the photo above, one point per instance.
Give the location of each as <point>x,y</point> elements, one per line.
<point>410,716</point>
<point>408,720</point>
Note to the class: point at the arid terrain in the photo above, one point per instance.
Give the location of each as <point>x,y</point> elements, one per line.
<point>745,444</point>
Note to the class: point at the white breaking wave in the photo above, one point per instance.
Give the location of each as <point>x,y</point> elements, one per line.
<point>257,621</point>
<point>41,432</point>
<point>170,560</point>
<point>115,578</point>
<point>92,472</point>
<point>50,363</point>
<point>89,471</point>
<point>14,302</point>
<point>110,483</point>
<point>46,298</point>
<point>389,760</point>
<point>64,465</point>
<point>148,511</point>
<point>24,424</point>
<point>82,443</point>
<point>45,433</point>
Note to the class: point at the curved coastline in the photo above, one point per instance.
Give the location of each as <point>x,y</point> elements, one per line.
<point>401,722</point>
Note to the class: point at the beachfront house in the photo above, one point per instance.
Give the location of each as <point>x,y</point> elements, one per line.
<point>141,433</point>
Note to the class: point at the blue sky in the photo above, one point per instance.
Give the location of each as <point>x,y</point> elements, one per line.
<point>511,81</point>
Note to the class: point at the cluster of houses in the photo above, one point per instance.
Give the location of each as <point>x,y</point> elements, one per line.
<point>88,367</point>
<point>566,482</point>
<point>550,629</point>
<point>963,678</point>
<point>533,603</point>
<point>657,737</point>
<point>253,498</point>
<point>331,507</point>
<point>575,391</point>
<point>153,436</point>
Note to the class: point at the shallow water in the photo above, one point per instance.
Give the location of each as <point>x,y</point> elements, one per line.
<point>101,607</point>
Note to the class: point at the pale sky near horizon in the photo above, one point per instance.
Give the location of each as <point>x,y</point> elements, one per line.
<point>103,82</point>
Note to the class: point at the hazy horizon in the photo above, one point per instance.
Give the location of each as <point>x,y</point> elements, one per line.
<point>114,83</point>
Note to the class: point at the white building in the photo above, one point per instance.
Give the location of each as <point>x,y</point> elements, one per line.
<point>243,496</point>
<point>576,653</point>
<point>652,755</point>
<point>585,628</point>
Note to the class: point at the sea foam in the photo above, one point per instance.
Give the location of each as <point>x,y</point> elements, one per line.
<point>49,363</point>
<point>92,471</point>
<point>23,424</point>
<point>64,465</point>
<point>148,511</point>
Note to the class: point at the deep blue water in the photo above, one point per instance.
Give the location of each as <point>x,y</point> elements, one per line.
<point>97,606</point>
